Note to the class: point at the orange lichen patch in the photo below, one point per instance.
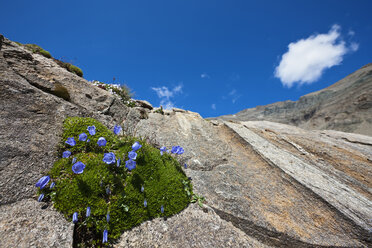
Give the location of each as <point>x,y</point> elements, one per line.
<point>351,163</point>
<point>282,224</point>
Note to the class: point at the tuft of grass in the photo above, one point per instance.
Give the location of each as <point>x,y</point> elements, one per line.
<point>37,49</point>
<point>164,182</point>
<point>70,67</point>
<point>74,69</point>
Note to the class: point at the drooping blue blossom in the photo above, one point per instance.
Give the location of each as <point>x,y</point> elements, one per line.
<point>117,129</point>
<point>83,137</point>
<point>88,212</point>
<point>185,165</point>
<point>52,185</point>
<point>130,164</point>
<point>66,154</point>
<point>145,203</point>
<point>162,150</point>
<point>73,160</point>
<point>136,146</point>
<point>162,209</point>
<point>78,167</point>
<point>75,218</point>
<point>40,198</point>
<point>101,141</point>
<point>108,191</point>
<point>142,189</point>
<point>43,182</point>
<point>132,155</point>
<point>180,151</point>
<point>108,217</point>
<point>109,158</point>
<point>105,233</point>
<point>71,141</point>
<point>177,150</point>
<point>118,162</point>
<point>91,130</point>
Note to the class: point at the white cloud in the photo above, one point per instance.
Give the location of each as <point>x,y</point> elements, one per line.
<point>205,75</point>
<point>213,106</point>
<point>306,59</point>
<point>165,95</point>
<point>233,94</point>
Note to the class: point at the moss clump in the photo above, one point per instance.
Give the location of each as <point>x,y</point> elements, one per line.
<point>163,180</point>
<point>74,69</point>
<point>36,49</point>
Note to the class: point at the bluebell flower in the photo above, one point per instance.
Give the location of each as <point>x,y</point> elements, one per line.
<point>180,151</point>
<point>52,185</point>
<point>185,165</point>
<point>108,191</point>
<point>40,198</point>
<point>145,203</point>
<point>43,182</point>
<point>75,217</point>
<point>83,137</point>
<point>130,164</point>
<point>78,167</point>
<point>105,232</point>
<point>108,217</point>
<point>117,129</point>
<point>91,130</point>
<point>88,212</point>
<point>136,146</point>
<point>142,189</point>
<point>118,162</point>
<point>66,154</point>
<point>101,141</point>
<point>109,158</point>
<point>162,209</point>
<point>177,150</point>
<point>71,141</point>
<point>88,140</point>
<point>132,155</point>
<point>162,150</point>
<point>73,160</point>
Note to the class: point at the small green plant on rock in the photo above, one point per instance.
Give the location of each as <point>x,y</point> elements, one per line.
<point>106,183</point>
<point>36,49</point>
<point>121,91</point>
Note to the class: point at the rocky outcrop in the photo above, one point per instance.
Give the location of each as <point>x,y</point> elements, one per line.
<point>36,95</point>
<point>266,184</point>
<point>279,184</point>
<point>344,106</point>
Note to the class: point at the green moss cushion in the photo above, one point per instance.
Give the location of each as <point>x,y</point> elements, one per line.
<point>112,189</point>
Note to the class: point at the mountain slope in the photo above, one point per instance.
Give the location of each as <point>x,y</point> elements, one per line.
<point>344,106</point>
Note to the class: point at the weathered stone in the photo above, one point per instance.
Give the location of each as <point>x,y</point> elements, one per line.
<point>246,188</point>
<point>28,223</point>
<point>143,104</point>
<point>193,227</point>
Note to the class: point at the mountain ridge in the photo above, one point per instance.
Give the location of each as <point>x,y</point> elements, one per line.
<point>343,106</point>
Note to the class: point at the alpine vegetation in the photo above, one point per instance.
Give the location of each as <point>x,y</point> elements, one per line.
<point>101,197</point>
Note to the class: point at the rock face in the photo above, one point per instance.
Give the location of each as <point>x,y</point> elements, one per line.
<point>266,184</point>
<point>344,106</point>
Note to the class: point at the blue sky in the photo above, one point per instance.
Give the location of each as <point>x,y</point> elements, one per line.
<point>211,57</point>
